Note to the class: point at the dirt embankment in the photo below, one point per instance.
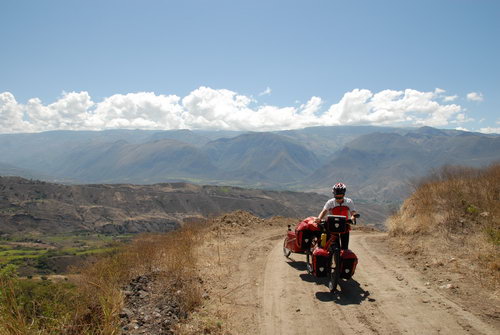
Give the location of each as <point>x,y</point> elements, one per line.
<point>251,288</point>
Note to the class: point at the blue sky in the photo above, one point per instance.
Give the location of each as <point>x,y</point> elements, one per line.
<point>248,64</point>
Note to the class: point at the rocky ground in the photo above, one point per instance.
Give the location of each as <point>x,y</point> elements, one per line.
<point>149,309</point>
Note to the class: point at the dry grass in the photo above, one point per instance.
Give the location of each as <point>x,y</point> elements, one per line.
<point>220,257</point>
<point>455,214</point>
<point>93,303</point>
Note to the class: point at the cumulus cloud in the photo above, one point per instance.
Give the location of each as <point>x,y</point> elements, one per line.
<point>450,98</point>
<point>267,91</point>
<point>69,112</point>
<point>490,130</point>
<point>143,110</point>
<point>391,107</point>
<point>207,108</point>
<point>12,115</point>
<point>475,96</point>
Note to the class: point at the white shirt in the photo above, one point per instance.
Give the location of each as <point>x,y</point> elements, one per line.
<point>332,203</point>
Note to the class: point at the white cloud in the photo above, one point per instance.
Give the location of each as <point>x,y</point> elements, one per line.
<point>69,112</point>
<point>439,92</point>
<point>450,98</point>
<point>12,115</point>
<point>490,130</point>
<point>475,96</point>
<point>311,107</point>
<point>267,91</point>
<point>143,110</point>
<point>462,128</point>
<point>207,108</point>
<point>461,118</point>
<point>390,107</point>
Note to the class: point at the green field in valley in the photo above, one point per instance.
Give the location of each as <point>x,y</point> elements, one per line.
<point>43,254</point>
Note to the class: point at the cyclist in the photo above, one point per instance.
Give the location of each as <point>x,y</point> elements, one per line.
<point>339,205</point>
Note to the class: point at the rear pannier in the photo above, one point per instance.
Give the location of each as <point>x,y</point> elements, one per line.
<point>306,230</point>
<point>348,264</point>
<point>321,262</point>
<point>304,239</point>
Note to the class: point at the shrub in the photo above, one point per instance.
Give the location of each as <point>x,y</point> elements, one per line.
<point>92,303</point>
<point>456,211</point>
<point>29,307</point>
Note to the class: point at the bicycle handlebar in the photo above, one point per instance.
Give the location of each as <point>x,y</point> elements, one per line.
<point>349,221</point>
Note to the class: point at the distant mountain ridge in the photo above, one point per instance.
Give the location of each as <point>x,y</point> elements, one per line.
<point>381,165</point>
<point>144,163</point>
<point>276,157</point>
<point>376,162</point>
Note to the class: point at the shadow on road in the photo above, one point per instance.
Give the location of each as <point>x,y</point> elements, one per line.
<point>350,293</point>
<point>298,265</point>
<point>307,277</point>
<point>301,266</point>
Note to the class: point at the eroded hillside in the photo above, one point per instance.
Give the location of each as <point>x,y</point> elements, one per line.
<point>450,230</point>
<point>34,206</point>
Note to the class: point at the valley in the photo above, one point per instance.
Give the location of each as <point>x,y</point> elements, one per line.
<point>379,164</point>
<point>47,227</point>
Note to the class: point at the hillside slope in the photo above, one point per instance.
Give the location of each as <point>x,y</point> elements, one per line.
<point>453,220</point>
<point>449,229</point>
<point>32,206</point>
<point>276,158</point>
<point>147,162</point>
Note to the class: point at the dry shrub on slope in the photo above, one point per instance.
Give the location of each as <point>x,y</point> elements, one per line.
<point>97,297</point>
<point>454,215</point>
<point>152,278</point>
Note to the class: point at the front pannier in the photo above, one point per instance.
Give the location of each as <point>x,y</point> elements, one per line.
<point>348,263</point>
<point>321,262</point>
<point>336,224</point>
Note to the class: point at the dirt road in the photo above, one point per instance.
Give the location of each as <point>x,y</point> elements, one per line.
<point>269,294</point>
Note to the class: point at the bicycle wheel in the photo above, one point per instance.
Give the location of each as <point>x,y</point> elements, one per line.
<point>309,264</point>
<point>286,251</point>
<point>334,271</point>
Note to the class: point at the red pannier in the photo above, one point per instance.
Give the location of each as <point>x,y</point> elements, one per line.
<point>305,232</point>
<point>321,262</point>
<point>291,242</point>
<point>348,264</point>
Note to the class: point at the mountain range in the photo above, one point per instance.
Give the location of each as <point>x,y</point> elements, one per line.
<point>377,163</point>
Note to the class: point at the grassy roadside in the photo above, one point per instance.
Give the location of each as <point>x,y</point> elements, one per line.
<point>453,217</point>
<point>91,301</point>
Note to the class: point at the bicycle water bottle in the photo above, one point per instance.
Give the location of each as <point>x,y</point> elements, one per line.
<point>323,240</point>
